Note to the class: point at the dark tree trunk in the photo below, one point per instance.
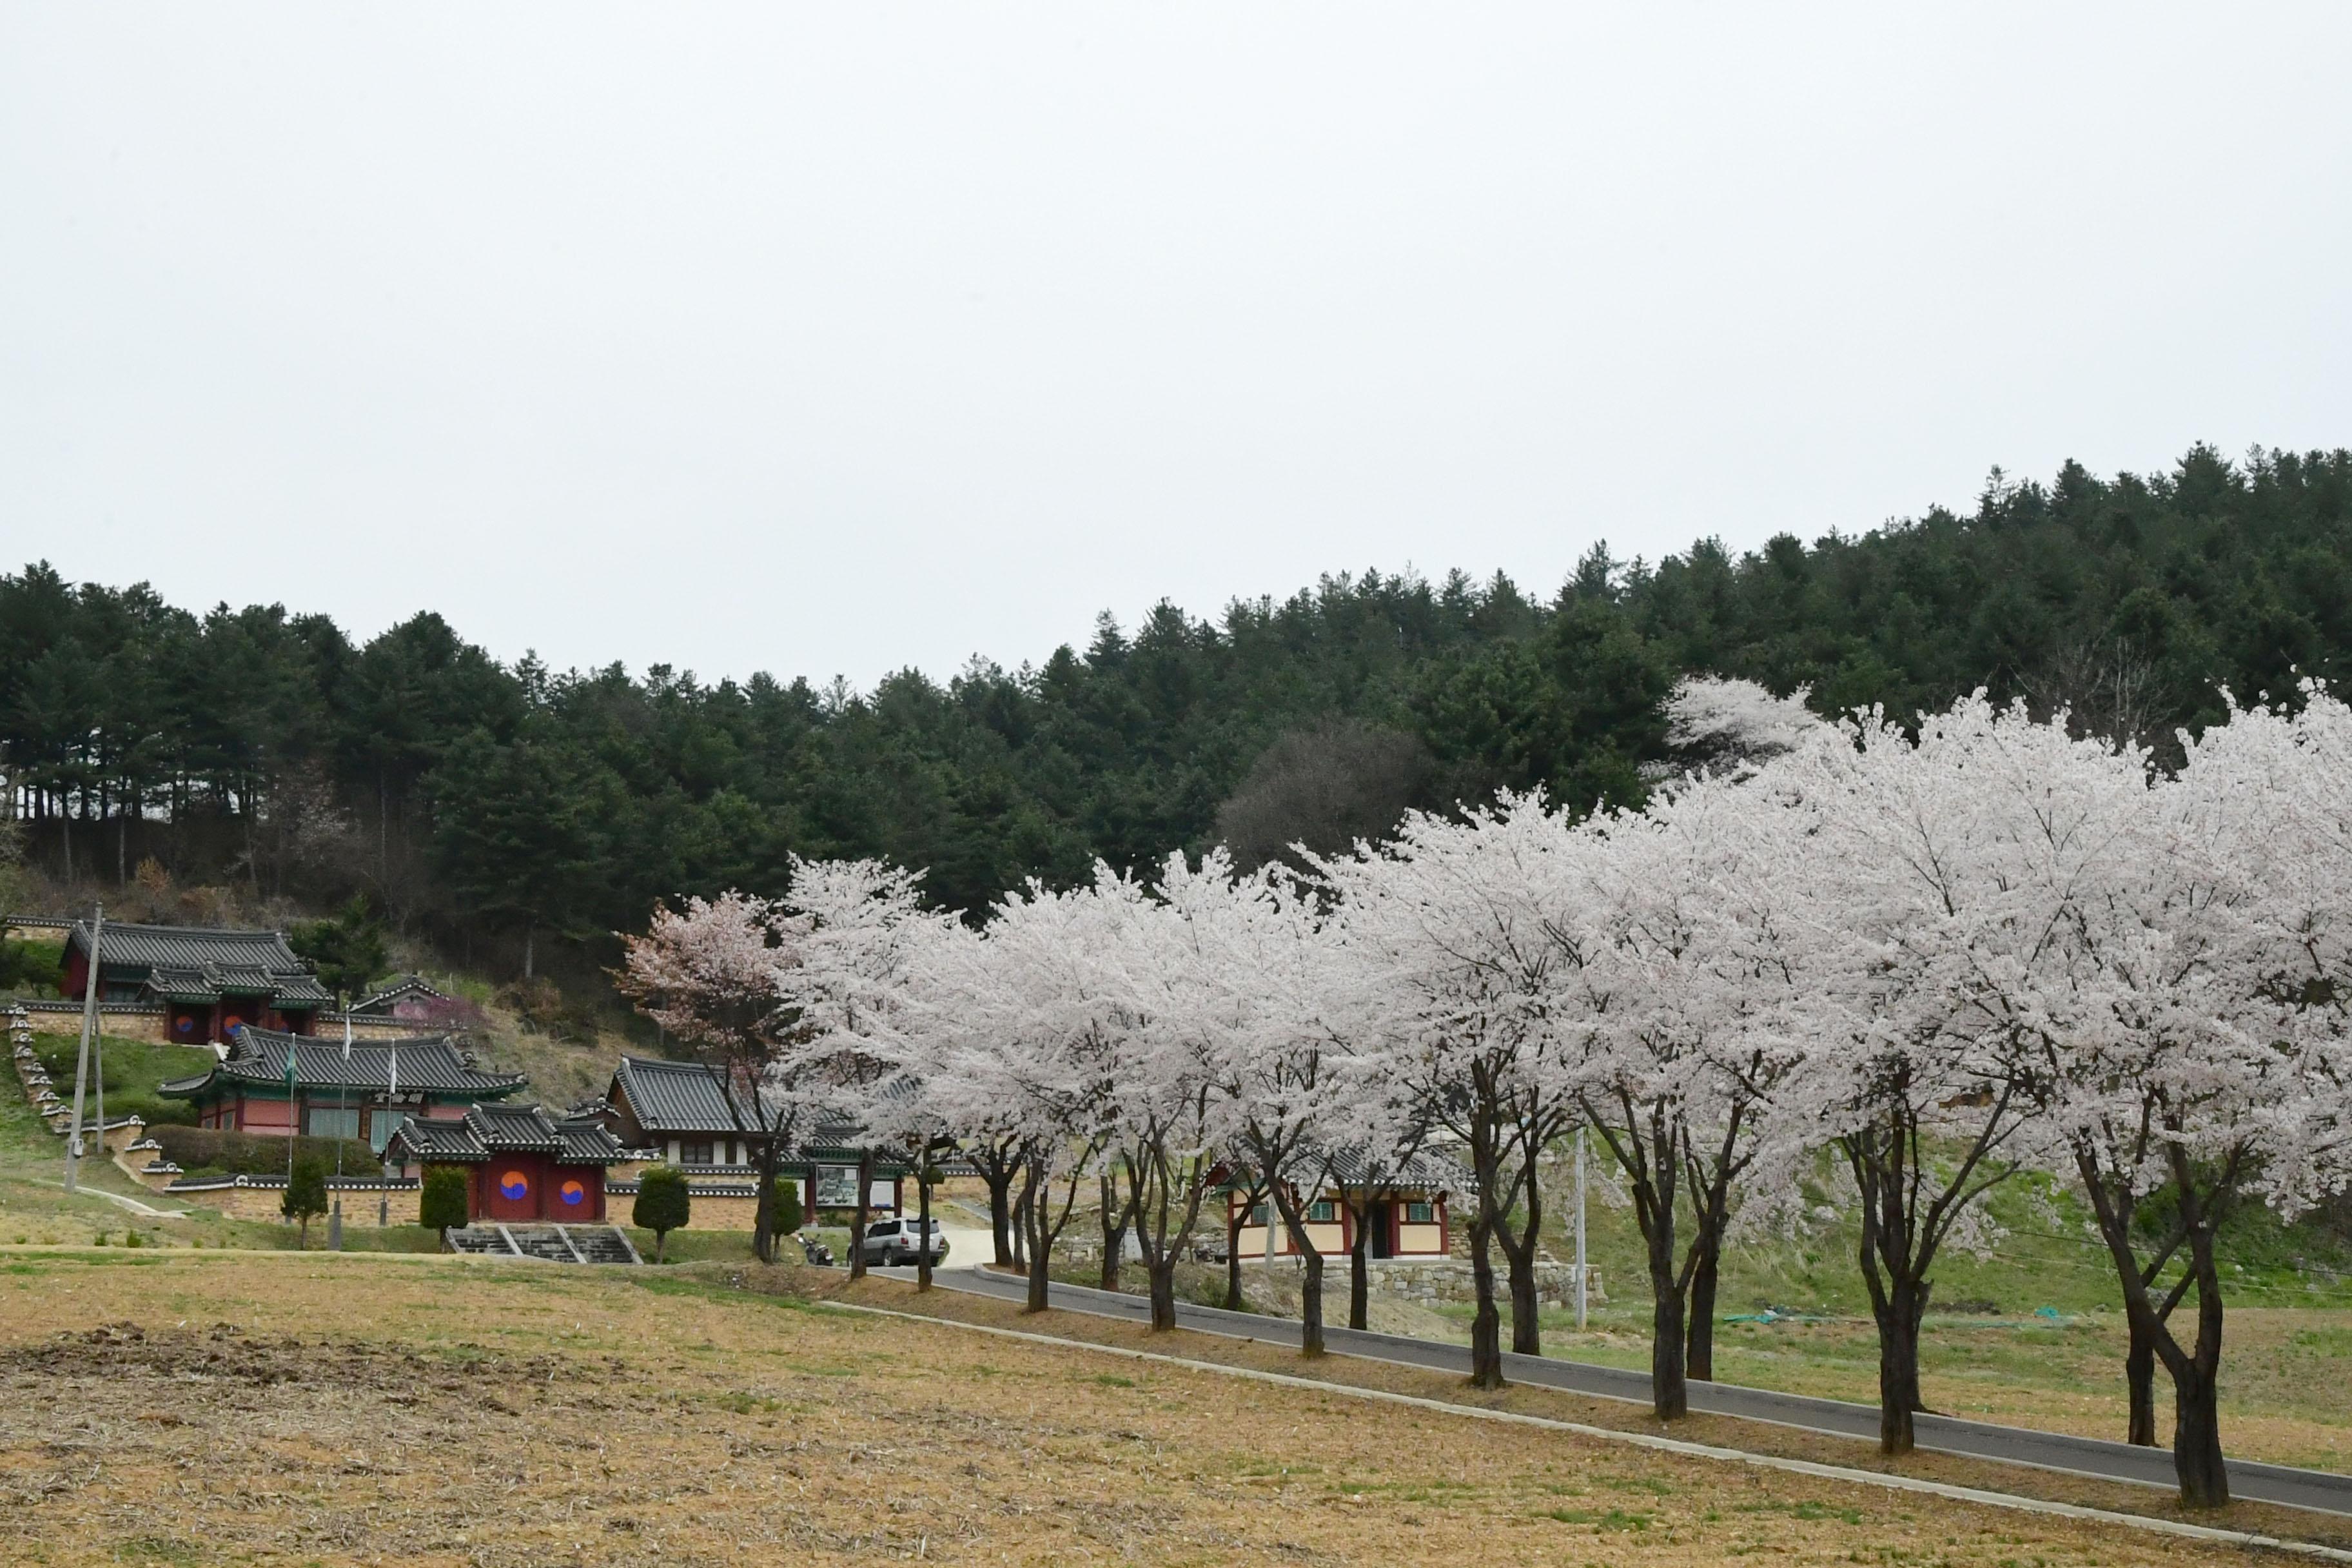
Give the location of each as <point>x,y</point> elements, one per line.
<point>1360,1273</point>
<point>857,1229</point>
<point>923,1237</point>
<point>1698,1361</point>
<point>1644,1146</point>
<point>2197,1438</point>
<point>1669,1386</point>
<point>1527,1329</point>
<point>1162,1270</point>
<point>1233,1217</point>
<point>1519,1245</point>
<point>2197,1458</point>
<point>1035,1244</point>
<point>764,1212</point>
<point>1040,1250</point>
<point>2139,1382</point>
<point>1487,1320</point>
<point>998,1175</point>
<point>1310,1297</point>
<point>1113,1230</point>
<point>1311,1306</point>
<point>1899,1316</point>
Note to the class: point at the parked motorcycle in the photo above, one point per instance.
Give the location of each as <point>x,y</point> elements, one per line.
<point>818,1254</point>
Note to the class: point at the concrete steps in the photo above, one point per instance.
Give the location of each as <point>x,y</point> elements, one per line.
<point>547,1242</point>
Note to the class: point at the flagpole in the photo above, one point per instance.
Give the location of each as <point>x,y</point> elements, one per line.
<point>81,1056</point>
<point>293,1112</point>
<point>343,1103</point>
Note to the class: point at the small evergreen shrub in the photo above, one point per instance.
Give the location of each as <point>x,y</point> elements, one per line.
<point>442,1203</point>
<point>306,1196</point>
<point>787,1207</point>
<point>664,1204</point>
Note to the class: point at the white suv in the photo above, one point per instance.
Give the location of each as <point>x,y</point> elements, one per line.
<point>899,1240</point>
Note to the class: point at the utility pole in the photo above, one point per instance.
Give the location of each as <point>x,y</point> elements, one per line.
<point>1580,1230</point>
<point>81,1056</point>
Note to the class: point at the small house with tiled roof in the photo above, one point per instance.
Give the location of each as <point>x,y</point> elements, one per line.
<point>275,1082</point>
<point>689,1115</point>
<point>1406,1218</point>
<point>209,982</point>
<point>409,996</point>
<point>521,1163</point>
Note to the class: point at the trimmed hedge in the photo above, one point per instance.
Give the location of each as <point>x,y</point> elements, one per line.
<point>209,1149</point>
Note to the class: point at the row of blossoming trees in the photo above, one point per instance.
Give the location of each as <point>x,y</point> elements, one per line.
<point>1913,963</point>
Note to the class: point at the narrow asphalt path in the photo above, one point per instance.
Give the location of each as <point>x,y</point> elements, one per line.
<point>2314,1489</point>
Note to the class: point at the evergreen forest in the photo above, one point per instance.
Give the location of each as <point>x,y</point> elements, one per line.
<point>503,811</point>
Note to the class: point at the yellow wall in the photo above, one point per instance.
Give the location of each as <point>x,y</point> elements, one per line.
<point>1420,1239</point>
<point>1331,1240</point>
<point>263,1203</point>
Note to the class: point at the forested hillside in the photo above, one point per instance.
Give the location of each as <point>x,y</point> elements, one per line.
<point>475,802</point>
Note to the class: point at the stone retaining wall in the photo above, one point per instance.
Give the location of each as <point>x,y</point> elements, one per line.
<point>1429,1280</point>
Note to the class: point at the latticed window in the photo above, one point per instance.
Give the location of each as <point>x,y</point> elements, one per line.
<point>696,1151</point>
<point>1319,1213</point>
<point>1420,1214</point>
<point>332,1121</point>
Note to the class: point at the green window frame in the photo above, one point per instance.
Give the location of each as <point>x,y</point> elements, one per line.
<point>332,1121</point>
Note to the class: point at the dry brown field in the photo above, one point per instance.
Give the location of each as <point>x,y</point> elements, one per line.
<point>198,1407</point>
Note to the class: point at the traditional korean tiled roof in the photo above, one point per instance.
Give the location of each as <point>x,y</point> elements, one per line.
<point>681,1097</point>
<point>429,1064</point>
<point>405,986</point>
<point>434,1142</point>
<point>202,965</point>
<point>189,947</point>
<point>1424,1173</point>
<point>488,1130</point>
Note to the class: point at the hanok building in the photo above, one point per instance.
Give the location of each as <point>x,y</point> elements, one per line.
<point>687,1115</point>
<point>1407,1218</point>
<point>368,1094</point>
<point>521,1163</point>
<point>411,998</point>
<point>210,982</point>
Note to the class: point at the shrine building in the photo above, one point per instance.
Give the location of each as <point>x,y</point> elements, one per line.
<point>274,1082</point>
<point>209,982</point>
<point>521,1163</point>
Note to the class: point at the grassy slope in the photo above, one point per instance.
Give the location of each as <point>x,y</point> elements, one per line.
<point>132,1069</point>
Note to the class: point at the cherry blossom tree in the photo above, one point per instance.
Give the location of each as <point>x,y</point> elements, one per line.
<point>863,945</point>
<point>1730,727</point>
<point>1179,997</point>
<point>1690,985</point>
<point>1934,875</point>
<point>1457,927</point>
<point>1284,1067</point>
<point>1023,1060</point>
<point>2196,1052</point>
<point>706,973</point>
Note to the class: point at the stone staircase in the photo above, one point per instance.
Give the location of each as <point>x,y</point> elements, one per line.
<point>547,1242</point>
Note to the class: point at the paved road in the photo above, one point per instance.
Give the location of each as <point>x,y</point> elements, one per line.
<point>2314,1489</point>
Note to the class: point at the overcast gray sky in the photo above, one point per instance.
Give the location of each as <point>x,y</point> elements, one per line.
<point>835,340</point>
